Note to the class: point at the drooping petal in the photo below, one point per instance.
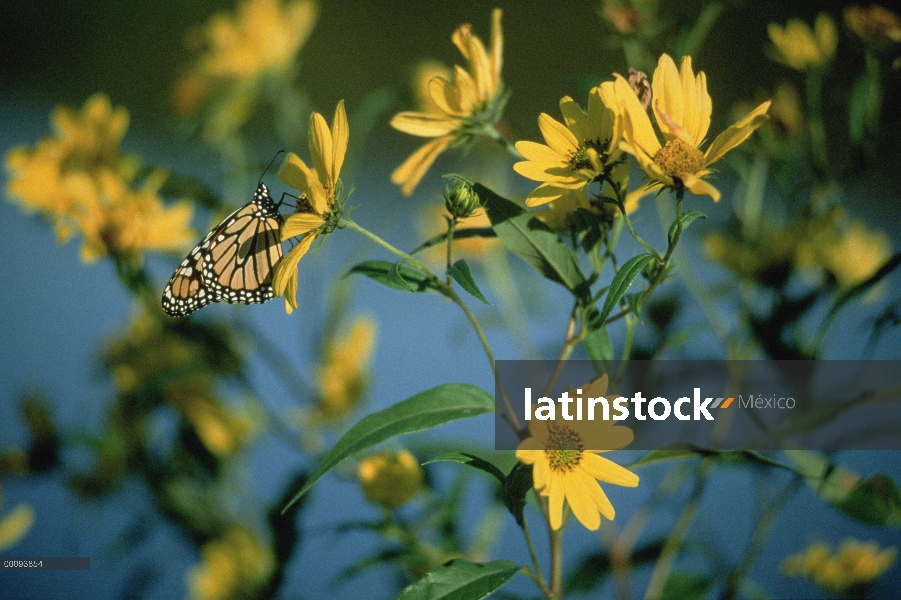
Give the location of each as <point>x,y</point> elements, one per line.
<point>424,125</point>
<point>284,278</point>
<point>408,174</point>
<point>736,134</point>
<point>697,186</point>
<point>606,470</point>
<point>555,493</point>
<point>300,224</point>
<point>581,499</point>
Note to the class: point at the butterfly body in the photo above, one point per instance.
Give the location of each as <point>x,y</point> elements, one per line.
<point>233,263</point>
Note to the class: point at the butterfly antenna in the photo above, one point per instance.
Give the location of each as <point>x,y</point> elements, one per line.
<point>267,167</point>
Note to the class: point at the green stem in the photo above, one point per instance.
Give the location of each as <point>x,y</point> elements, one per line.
<point>569,344</point>
<point>451,226</point>
<point>496,136</point>
<point>509,415</point>
<point>556,537</point>
<point>536,566</point>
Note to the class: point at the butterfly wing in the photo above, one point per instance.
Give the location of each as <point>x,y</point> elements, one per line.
<point>234,261</point>
<point>186,291</point>
<point>243,251</point>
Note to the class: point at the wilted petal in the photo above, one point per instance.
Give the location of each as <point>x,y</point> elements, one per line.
<point>284,278</point>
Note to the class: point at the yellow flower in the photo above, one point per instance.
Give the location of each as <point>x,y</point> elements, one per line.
<point>873,24</point>
<point>581,150</point>
<point>682,107</point>
<point>853,564</point>
<point>344,371</point>
<point>320,188</point>
<point>237,565</point>
<point>78,179</point>
<point>262,35</point>
<point>390,479</point>
<point>566,466</point>
<point>798,46</point>
<point>15,525</point>
<point>466,107</point>
<point>222,430</point>
<point>852,253</point>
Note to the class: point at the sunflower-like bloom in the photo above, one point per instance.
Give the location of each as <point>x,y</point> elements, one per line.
<point>566,466</point>
<point>78,179</point>
<point>236,565</point>
<point>581,150</point>
<point>344,372</point>
<point>798,46</point>
<point>852,564</point>
<point>320,188</point>
<point>466,106</point>
<point>682,107</point>
<point>390,479</point>
<point>874,24</point>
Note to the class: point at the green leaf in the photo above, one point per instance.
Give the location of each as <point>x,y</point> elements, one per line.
<point>514,489</point>
<point>396,276</point>
<point>534,242</point>
<point>425,410</point>
<point>687,218</point>
<point>463,275</point>
<point>598,346</point>
<point>461,580</point>
<point>691,451</point>
<point>459,234</point>
<point>876,500</point>
<point>622,280</point>
<point>686,586</point>
<point>471,460</point>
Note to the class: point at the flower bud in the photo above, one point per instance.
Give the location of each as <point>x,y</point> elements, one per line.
<point>461,200</point>
<point>390,479</point>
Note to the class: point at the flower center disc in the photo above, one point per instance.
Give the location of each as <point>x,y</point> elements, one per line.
<point>567,449</point>
<point>677,157</point>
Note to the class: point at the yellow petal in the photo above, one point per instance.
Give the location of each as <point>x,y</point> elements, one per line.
<point>285,274</point>
<point>481,69</point>
<point>340,136</point>
<point>424,125</point>
<point>555,493</point>
<point>460,39</point>
<point>497,47</point>
<point>545,193</point>
<point>667,87</point>
<point>736,134</point>
<point>321,148</point>
<point>637,129</point>
<point>574,118</point>
<point>556,171</point>
<point>827,36</point>
<point>699,187</point>
<point>606,470</point>
<point>295,173</point>
<point>468,91</point>
<point>557,136</point>
<point>300,224</point>
<point>581,499</point>
<point>408,174</point>
<point>446,96</point>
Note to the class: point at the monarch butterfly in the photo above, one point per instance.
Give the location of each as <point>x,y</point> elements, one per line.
<point>233,263</point>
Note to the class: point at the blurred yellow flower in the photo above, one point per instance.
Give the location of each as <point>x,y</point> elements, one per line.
<point>344,371</point>
<point>14,525</point>
<point>786,111</point>
<point>78,179</point>
<point>223,430</point>
<point>390,479</point>
<point>426,71</point>
<point>236,565</point>
<point>565,464</point>
<point>853,564</point>
<point>798,46</point>
<point>682,107</point>
<point>851,252</point>
<point>320,188</point>
<point>581,150</point>
<point>466,107</point>
<point>873,24</point>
